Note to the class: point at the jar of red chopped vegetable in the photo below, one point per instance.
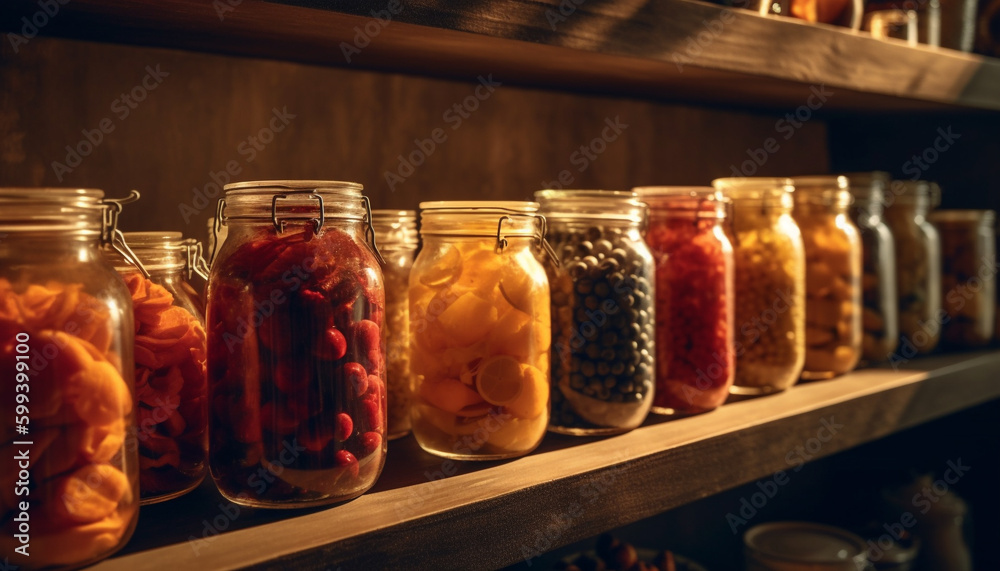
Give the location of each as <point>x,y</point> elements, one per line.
<point>296,353</point>
<point>170,358</point>
<point>694,298</point>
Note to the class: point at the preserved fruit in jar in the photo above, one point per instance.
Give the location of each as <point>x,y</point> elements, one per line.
<point>481,331</point>
<point>296,356</point>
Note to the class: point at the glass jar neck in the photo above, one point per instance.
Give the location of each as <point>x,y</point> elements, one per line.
<point>595,207</point>
<point>68,214</point>
<point>496,220</point>
<point>286,203</point>
<point>395,229</point>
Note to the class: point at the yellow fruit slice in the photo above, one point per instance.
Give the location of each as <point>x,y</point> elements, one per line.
<point>500,381</point>
<point>468,320</point>
<point>534,397</point>
<point>448,394</point>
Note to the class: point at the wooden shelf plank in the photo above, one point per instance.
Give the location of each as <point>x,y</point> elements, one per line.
<point>491,514</point>
<point>669,49</point>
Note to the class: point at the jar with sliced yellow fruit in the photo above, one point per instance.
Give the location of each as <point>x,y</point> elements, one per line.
<point>480,331</point>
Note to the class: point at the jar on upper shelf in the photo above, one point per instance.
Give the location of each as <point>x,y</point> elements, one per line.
<point>880,315</point>
<point>968,275</point>
<point>918,263</point>
<point>296,356</point>
<point>69,469</point>
<point>397,239</point>
<point>695,363</point>
<point>833,275</point>
<point>769,282</point>
<point>603,311</point>
<point>481,330</point>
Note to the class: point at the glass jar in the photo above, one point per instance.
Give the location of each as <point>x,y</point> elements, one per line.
<point>880,315</point>
<point>803,546</point>
<point>481,330</point>
<point>396,234</point>
<point>769,282</point>
<point>918,264</point>
<point>296,355</point>
<point>695,364</point>
<point>833,276</point>
<point>968,275</point>
<point>603,316</point>
<point>69,468</point>
<point>170,357</point>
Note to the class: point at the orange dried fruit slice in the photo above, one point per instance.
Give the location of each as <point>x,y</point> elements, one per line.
<point>499,380</point>
<point>90,494</point>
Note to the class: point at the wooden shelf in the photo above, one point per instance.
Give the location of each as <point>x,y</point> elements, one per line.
<point>733,57</point>
<point>484,515</point>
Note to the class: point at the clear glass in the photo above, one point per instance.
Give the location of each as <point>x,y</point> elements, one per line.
<point>296,356</point>
<point>695,362</point>
<point>833,276</point>
<point>396,234</point>
<point>481,330</point>
<point>880,316</point>
<point>170,360</point>
<point>603,314</point>
<point>968,276</point>
<point>770,284</point>
<point>918,264</point>
<point>67,388</point>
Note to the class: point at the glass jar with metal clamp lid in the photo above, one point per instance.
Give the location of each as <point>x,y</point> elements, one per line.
<point>69,468</point>
<point>481,330</point>
<point>296,348</point>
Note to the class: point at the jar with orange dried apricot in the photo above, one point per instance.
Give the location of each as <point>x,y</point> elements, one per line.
<point>479,321</point>
<point>69,479</point>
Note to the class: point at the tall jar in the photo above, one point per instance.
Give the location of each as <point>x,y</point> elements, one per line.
<point>968,276</point>
<point>769,282</point>
<point>170,359</point>
<point>70,474</point>
<point>296,356</point>
<point>603,315</point>
<point>481,330</point>
<point>833,276</point>
<point>695,364</point>
<point>396,234</point>
<point>880,315</point>
<point>918,263</point>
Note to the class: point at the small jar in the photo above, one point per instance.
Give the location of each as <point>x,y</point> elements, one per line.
<point>603,316</point>
<point>880,316</point>
<point>296,356</point>
<point>803,546</point>
<point>968,275</point>
<point>397,239</point>
<point>170,359</point>
<point>833,276</point>
<point>481,330</point>
<point>918,263</point>
<point>69,478</point>
<point>769,282</point>
<point>695,364</point>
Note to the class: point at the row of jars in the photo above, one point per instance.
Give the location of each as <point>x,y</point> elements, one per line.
<point>325,338</point>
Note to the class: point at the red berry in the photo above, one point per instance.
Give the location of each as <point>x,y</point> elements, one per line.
<point>356,377</point>
<point>314,440</point>
<point>372,415</point>
<point>332,346</point>
<point>344,427</point>
<point>347,461</point>
<point>367,337</point>
<point>371,441</point>
<point>375,388</point>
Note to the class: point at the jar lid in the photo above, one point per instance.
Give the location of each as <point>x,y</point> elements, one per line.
<point>485,218</point>
<point>915,191</point>
<point>621,205</point>
<point>829,190</point>
<point>751,188</point>
<point>50,209</point>
<point>284,201</point>
<point>804,542</point>
<point>699,201</point>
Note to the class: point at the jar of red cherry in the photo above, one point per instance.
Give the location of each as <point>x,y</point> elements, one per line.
<point>694,298</point>
<point>296,354</point>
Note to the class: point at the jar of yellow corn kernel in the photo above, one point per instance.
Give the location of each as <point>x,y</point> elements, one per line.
<point>833,276</point>
<point>481,330</point>
<point>769,282</point>
<point>880,315</point>
<point>918,264</point>
<point>396,235</point>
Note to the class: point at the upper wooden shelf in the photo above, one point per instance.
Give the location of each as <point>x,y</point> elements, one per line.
<point>479,515</point>
<point>677,50</point>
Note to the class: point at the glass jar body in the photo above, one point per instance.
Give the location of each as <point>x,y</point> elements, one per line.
<point>968,276</point>
<point>880,315</point>
<point>603,326</point>
<point>296,364</point>
<point>481,332</point>
<point>66,341</point>
<point>918,274</point>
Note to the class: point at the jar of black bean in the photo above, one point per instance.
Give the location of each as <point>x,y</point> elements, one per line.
<point>603,324</point>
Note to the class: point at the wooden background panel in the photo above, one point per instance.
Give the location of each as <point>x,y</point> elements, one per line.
<point>350,125</point>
